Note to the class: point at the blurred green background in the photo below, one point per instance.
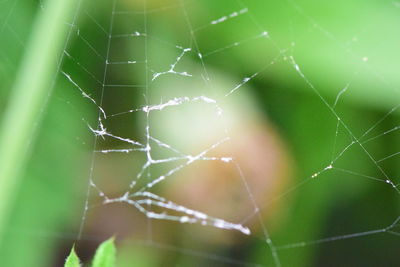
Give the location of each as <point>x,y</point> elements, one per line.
<point>337,45</point>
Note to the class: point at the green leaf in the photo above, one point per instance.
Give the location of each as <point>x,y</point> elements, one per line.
<point>105,254</point>
<point>72,260</point>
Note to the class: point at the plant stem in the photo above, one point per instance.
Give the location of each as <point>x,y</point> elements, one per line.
<point>28,97</point>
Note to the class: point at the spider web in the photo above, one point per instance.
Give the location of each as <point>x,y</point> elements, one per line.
<point>141,196</point>
<point>186,64</point>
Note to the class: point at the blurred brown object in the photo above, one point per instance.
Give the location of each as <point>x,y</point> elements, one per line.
<point>259,171</point>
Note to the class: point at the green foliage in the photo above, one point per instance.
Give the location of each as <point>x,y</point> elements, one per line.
<point>72,260</point>
<point>104,257</point>
<point>105,254</point>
